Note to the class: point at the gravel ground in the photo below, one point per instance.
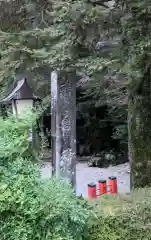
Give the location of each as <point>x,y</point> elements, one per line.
<point>85,175</point>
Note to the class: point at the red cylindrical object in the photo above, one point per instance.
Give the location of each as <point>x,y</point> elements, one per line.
<point>102,187</point>
<point>112,182</point>
<point>92,190</point>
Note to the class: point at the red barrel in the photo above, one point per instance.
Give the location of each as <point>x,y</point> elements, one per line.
<point>102,187</point>
<point>92,190</point>
<point>112,182</point>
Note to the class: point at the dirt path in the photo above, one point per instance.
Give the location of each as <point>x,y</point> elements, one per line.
<point>85,175</point>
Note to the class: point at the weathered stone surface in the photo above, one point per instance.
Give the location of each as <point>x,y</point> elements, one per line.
<point>54,112</point>
<point>64,127</point>
<point>68,128</point>
<point>103,160</point>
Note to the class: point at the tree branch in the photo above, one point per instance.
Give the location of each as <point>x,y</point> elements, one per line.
<point>98,3</point>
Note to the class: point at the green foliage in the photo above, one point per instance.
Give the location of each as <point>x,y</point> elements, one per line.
<point>122,217</point>
<point>32,208</point>
<point>128,81</point>
<point>50,35</point>
<point>64,35</point>
<point>105,126</point>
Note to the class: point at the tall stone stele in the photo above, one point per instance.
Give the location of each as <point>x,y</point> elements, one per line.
<point>63,126</point>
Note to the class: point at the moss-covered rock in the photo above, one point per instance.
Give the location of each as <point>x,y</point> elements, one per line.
<point>106,159</point>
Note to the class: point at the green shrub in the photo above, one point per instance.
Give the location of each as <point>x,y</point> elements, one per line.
<point>122,217</point>
<point>32,208</point>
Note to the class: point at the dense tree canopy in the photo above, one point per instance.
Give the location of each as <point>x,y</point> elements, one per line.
<point>107,41</point>
<point>42,35</point>
<point>78,36</point>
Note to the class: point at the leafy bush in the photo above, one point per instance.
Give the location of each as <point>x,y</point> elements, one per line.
<point>122,217</point>
<point>32,208</point>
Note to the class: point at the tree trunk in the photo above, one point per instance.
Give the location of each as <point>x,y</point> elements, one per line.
<point>139,131</point>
